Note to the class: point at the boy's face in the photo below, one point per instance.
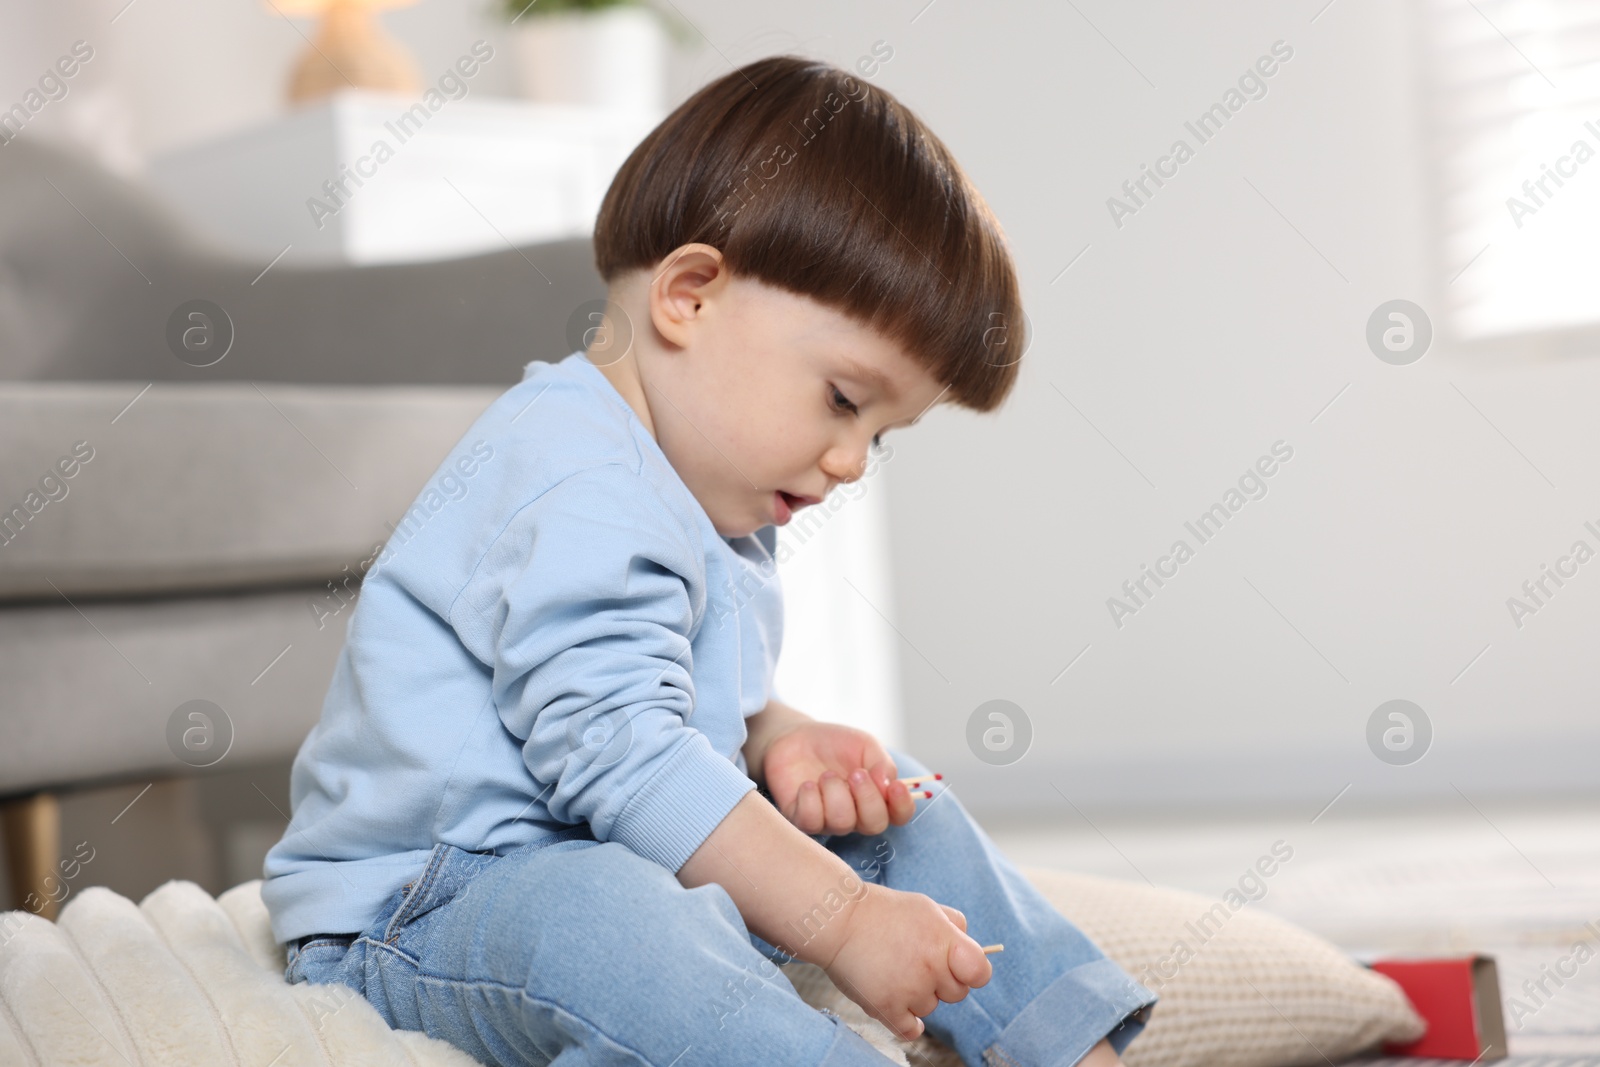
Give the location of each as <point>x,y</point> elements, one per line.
<point>764,400</point>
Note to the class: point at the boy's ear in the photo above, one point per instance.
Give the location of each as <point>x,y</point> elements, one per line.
<point>688,279</point>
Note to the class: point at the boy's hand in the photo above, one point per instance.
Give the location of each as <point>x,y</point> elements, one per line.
<point>832,779</point>
<point>902,954</point>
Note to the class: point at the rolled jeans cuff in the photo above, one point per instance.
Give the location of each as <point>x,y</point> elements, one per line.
<point>1092,1002</point>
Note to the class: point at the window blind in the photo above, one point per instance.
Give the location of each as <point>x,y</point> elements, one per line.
<point>1515,108</point>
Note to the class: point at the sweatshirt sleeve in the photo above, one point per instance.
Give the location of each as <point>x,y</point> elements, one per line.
<point>588,596</point>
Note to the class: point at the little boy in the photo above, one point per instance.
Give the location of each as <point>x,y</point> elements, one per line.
<point>552,810</point>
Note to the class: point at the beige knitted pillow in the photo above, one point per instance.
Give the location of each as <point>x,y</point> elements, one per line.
<point>1238,988</point>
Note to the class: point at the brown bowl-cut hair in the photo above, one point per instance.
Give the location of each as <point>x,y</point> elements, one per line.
<point>811,180</point>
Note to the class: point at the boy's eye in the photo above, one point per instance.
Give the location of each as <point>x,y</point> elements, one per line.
<point>840,401</point>
<point>877,440</point>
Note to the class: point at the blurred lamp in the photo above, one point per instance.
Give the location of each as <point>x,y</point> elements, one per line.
<point>350,50</point>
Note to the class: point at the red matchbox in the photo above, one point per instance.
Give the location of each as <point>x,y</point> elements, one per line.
<point>1459,999</point>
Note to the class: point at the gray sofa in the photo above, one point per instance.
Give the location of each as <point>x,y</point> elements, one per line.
<point>172,532</point>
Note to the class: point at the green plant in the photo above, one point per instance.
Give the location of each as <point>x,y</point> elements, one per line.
<point>515,10</point>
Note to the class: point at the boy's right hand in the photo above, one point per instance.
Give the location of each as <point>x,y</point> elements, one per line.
<point>901,954</point>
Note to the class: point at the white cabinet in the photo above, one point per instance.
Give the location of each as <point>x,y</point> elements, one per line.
<point>366,177</point>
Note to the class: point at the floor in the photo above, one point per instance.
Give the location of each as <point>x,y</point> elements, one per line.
<point>1515,881</point>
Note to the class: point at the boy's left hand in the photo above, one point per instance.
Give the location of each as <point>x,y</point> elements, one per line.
<point>832,779</point>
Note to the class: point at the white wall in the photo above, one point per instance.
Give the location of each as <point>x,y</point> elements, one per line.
<point>1195,336</point>
<point>1221,318</point>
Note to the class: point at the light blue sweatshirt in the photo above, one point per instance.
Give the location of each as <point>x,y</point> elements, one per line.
<point>555,634</point>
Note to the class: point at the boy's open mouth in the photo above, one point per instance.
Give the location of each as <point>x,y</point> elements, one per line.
<point>784,505</point>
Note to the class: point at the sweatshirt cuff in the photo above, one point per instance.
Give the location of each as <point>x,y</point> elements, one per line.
<point>676,810</point>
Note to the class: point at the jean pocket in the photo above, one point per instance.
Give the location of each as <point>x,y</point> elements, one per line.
<point>416,897</point>
<point>446,874</point>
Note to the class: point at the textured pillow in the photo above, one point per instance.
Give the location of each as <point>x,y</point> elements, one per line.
<point>1238,988</point>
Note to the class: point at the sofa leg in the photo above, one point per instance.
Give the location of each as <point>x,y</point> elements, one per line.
<point>32,829</point>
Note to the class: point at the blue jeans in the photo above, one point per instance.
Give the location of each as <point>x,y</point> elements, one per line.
<point>585,951</point>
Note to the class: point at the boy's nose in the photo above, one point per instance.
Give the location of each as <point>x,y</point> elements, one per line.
<point>846,464</point>
<point>839,468</point>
